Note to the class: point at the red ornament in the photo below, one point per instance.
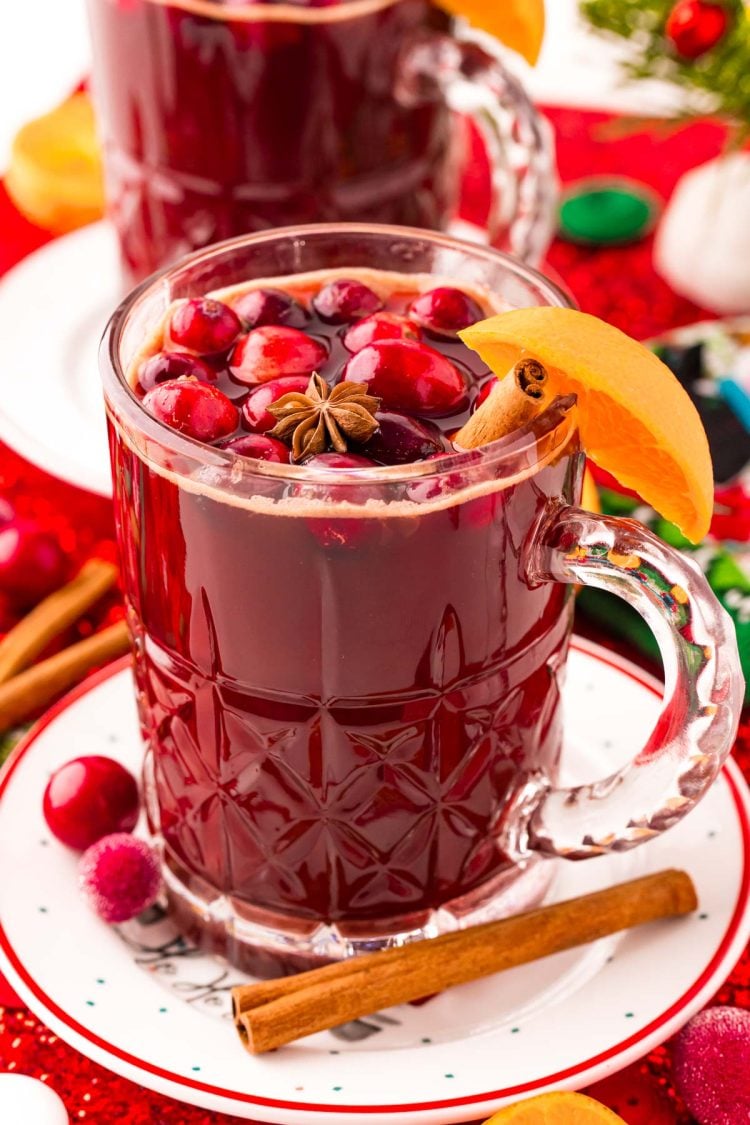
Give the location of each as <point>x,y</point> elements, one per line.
<point>695,26</point>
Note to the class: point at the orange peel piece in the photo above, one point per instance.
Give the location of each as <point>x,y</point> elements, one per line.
<point>635,419</point>
<point>556,1109</point>
<point>519,24</point>
<point>55,173</point>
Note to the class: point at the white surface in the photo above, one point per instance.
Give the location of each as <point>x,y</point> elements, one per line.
<point>54,306</point>
<point>26,1101</point>
<point>171,1012</point>
<point>44,52</point>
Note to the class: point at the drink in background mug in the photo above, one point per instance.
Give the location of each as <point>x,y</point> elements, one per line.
<point>223,118</point>
<point>350,693</point>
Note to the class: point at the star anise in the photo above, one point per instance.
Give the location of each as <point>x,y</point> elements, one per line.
<point>324,417</point>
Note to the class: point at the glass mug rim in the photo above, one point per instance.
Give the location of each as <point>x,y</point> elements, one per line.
<point>521,444</point>
<point>254,12</point>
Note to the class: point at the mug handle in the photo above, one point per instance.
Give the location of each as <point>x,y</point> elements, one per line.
<point>468,73</point>
<point>703,692</point>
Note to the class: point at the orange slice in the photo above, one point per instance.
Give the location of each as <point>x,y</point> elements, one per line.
<point>556,1109</point>
<point>634,418</point>
<point>519,24</point>
<point>55,173</point>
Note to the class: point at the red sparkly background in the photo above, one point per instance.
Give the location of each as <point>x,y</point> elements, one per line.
<point>618,284</point>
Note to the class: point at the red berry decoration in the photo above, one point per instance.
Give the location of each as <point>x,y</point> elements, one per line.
<point>32,563</point>
<point>273,352</point>
<point>695,26</point>
<point>204,326</point>
<point>408,376</point>
<point>712,1066</point>
<point>255,414</point>
<point>120,877</point>
<point>379,326</point>
<point>261,447</point>
<point>195,409</point>
<point>165,366</point>
<point>445,311</point>
<point>342,301</point>
<point>88,798</point>
<point>269,306</point>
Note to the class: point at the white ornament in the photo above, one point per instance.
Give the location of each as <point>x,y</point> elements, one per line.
<point>25,1101</point>
<point>702,244</point>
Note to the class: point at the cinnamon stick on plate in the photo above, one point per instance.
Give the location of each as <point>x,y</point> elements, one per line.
<point>272,1013</point>
<point>514,402</point>
<point>53,615</point>
<point>31,690</point>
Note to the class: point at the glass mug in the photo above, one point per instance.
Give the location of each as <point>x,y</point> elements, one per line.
<point>223,118</point>
<point>350,693</point>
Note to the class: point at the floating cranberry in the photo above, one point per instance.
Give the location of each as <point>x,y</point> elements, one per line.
<point>379,326</point>
<point>339,461</point>
<point>195,409</point>
<point>165,366</point>
<point>402,438</point>
<point>32,563</point>
<point>269,306</point>
<point>260,447</point>
<point>406,375</point>
<point>204,325</point>
<point>255,413</point>
<point>88,798</point>
<point>484,392</point>
<point>342,300</point>
<point>445,311</point>
<point>274,351</point>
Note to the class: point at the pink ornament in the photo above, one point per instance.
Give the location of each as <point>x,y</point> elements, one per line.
<point>712,1066</point>
<point>120,877</point>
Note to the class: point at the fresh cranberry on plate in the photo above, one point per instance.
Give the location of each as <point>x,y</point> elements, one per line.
<point>88,798</point>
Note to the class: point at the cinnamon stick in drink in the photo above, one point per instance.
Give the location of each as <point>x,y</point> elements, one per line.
<point>514,402</point>
<point>272,1013</point>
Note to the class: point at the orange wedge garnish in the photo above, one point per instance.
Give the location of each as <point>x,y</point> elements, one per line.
<point>634,418</point>
<point>55,173</point>
<point>519,24</point>
<point>556,1109</point>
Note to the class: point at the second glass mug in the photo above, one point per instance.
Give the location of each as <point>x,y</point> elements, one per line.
<point>222,119</point>
<point>349,684</point>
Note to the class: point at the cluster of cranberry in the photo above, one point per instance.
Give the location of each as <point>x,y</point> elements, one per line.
<point>223,366</point>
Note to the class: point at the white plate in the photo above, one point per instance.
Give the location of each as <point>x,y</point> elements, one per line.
<point>144,1004</point>
<point>54,307</point>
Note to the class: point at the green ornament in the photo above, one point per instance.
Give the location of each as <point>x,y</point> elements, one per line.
<point>605,213</point>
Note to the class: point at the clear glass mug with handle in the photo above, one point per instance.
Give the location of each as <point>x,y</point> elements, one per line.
<point>223,118</point>
<point>350,694</point>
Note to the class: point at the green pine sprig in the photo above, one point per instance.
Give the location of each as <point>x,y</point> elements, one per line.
<point>719,79</point>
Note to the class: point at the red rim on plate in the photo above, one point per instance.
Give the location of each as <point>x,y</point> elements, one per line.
<point>668,1021</point>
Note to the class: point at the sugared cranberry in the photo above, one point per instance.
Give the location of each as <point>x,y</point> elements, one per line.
<point>342,300</point>
<point>32,563</point>
<point>273,352</point>
<point>339,461</point>
<point>269,306</point>
<point>88,798</point>
<point>445,311</point>
<point>204,325</point>
<point>260,447</point>
<point>379,326</point>
<point>406,375</point>
<point>164,366</point>
<point>255,413</point>
<point>402,438</point>
<point>119,876</point>
<point>195,409</point>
